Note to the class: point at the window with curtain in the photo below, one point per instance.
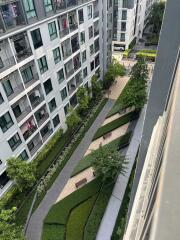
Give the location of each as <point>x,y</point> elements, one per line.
<point>52,30</point>
<point>6,122</point>
<point>56,55</point>
<point>42,62</point>
<point>48,6</point>
<point>29,8</point>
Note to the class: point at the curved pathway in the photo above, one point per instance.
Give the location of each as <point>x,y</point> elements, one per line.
<point>35,226</point>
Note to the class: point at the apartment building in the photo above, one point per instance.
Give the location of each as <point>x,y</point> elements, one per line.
<point>48,48</point>
<point>154,206</point>
<point>129,20</point>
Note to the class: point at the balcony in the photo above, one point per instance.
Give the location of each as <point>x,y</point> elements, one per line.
<point>34,144</point>
<point>77,62</point>
<point>12,85</point>
<point>96,28</point>
<point>41,115</point>
<point>21,109</point>
<point>69,69</point>
<point>73,101</point>
<point>71,86</point>
<point>28,128</point>
<point>6,56</point>
<point>29,74</point>
<point>72,16</point>
<point>96,45</point>
<point>36,97</point>
<point>75,43</point>
<point>78,79</point>
<point>63,25</point>
<point>46,131</point>
<point>11,15</point>
<point>21,46</point>
<point>66,49</point>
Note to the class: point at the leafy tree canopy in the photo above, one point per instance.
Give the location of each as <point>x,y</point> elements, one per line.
<point>83,99</point>
<point>72,119</point>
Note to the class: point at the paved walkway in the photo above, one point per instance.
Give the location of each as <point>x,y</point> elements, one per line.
<point>35,226</point>
<point>71,187</point>
<point>111,213</point>
<point>118,132</point>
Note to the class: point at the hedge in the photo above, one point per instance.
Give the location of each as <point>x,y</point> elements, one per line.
<point>57,218</point>
<point>97,213</point>
<point>118,143</point>
<point>116,124</point>
<point>126,53</point>
<point>78,218</point>
<point>147,56</point>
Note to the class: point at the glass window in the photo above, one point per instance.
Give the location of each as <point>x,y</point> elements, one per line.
<point>64,94</point>
<point>52,30</point>
<point>6,122</point>
<point>56,121</point>
<point>24,156</point>
<point>85,72</point>
<point>1,99</point>
<point>14,142</point>
<point>91,48</point>
<point>81,16</point>
<point>82,37</point>
<point>92,65</point>
<point>122,37</point>
<point>29,8</point>
<point>52,105</point>
<point>60,75</point>
<point>36,37</point>
<point>48,5</point>
<point>124,14</point>
<point>123,26</point>
<point>56,55</point>
<point>89,10</point>
<point>90,32</point>
<point>8,88</point>
<point>42,62</point>
<point>66,108</point>
<point>84,56</point>
<point>97,61</point>
<point>27,74</point>
<point>48,86</point>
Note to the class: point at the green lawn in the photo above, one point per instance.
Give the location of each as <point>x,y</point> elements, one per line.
<point>78,218</point>
<point>116,124</point>
<point>97,213</point>
<point>118,106</point>
<point>54,232</point>
<point>86,162</point>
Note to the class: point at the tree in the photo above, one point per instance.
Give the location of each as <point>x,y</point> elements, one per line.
<point>72,119</point>
<point>83,99</point>
<point>140,70</point>
<point>108,163</point>
<point>115,69</point>
<point>96,87</point>
<point>21,172</point>
<point>8,229</point>
<point>156,16</point>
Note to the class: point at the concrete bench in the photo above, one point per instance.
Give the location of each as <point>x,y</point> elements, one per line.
<point>81,182</point>
<point>107,135</point>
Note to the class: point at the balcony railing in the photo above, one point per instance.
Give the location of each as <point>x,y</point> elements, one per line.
<point>26,111</point>
<point>96,14</point>
<point>29,132</point>
<point>46,136</point>
<point>67,54</point>
<point>64,32</point>
<point>17,90</point>
<point>7,64</point>
<point>23,54</point>
<point>35,148</point>
<point>36,101</point>
<point>71,90</point>
<point>96,33</point>
<point>32,81</point>
<point>73,27</point>
<point>43,119</point>
<point>69,73</point>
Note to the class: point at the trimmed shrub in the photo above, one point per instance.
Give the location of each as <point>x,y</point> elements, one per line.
<point>147,56</point>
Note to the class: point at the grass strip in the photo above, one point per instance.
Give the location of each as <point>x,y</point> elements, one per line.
<point>78,218</point>
<point>54,232</point>
<point>116,124</point>
<point>97,213</point>
<point>118,143</point>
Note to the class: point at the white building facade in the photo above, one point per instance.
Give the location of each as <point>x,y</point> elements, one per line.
<point>47,50</point>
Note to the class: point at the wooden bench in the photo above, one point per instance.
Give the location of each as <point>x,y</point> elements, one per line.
<point>107,135</point>
<point>81,182</point>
